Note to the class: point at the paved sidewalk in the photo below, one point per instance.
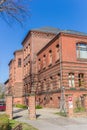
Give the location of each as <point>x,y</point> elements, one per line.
<point>47,120</point>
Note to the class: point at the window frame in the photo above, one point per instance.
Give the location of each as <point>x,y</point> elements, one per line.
<point>71,80</point>
<point>80,47</point>
<point>19,62</point>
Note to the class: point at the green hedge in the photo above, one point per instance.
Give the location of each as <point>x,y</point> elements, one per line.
<point>21,106</point>
<point>4,122</point>
<point>38,107</point>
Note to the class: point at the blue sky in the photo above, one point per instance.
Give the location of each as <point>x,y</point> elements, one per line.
<point>64,14</point>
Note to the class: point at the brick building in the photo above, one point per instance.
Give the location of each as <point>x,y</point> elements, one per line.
<point>54,65</point>
<point>62,64</point>
<point>33,42</point>
<point>16,77</point>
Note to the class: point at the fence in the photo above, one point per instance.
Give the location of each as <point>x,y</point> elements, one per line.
<point>18,127</point>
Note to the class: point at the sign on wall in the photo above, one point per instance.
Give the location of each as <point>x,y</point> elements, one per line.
<point>70,102</point>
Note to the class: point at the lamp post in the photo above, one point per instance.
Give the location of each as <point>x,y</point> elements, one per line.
<point>62,103</point>
<point>62,99</point>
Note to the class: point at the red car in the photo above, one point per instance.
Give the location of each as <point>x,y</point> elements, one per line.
<point>2,106</point>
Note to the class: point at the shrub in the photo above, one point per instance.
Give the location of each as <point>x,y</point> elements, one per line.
<point>4,122</point>
<point>21,106</point>
<point>79,109</point>
<point>38,107</point>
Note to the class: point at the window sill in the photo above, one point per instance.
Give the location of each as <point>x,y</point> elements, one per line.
<point>73,88</point>
<point>82,59</point>
<point>82,88</point>
<point>57,61</point>
<point>44,68</point>
<point>50,65</point>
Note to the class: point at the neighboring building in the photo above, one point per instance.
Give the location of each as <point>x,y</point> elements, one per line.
<point>16,77</point>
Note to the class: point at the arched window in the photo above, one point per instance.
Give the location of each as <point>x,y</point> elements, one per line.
<point>57,52</point>
<point>81,49</point>
<point>19,62</point>
<point>39,64</point>
<point>44,61</point>
<point>81,79</point>
<point>50,57</point>
<point>71,80</point>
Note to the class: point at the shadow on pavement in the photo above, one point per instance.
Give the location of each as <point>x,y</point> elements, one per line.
<point>16,117</point>
<point>38,115</point>
<point>18,110</point>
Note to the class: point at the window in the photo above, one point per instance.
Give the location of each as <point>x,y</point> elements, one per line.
<point>19,62</point>
<point>81,49</point>
<point>51,82</point>
<point>44,61</point>
<point>58,80</point>
<point>71,80</point>
<point>44,84</point>
<point>57,52</point>
<point>81,79</point>
<point>28,48</point>
<point>50,57</point>
<point>39,64</point>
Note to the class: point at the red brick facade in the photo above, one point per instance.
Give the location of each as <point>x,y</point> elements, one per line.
<point>51,61</point>
<point>34,41</point>
<point>16,77</point>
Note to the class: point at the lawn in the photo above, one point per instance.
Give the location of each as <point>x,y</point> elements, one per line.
<point>25,126</point>
<point>6,124</point>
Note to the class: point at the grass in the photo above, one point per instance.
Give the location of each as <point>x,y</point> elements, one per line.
<point>21,106</point>
<point>61,114</point>
<point>6,124</point>
<point>79,109</point>
<point>25,126</point>
<point>38,107</point>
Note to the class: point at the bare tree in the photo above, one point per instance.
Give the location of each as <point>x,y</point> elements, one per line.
<point>14,9</point>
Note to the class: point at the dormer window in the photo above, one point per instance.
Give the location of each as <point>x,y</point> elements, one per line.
<point>81,49</point>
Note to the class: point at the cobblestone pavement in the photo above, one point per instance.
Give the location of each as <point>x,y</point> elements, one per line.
<point>48,120</point>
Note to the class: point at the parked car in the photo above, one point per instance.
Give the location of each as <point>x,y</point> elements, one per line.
<point>2,106</point>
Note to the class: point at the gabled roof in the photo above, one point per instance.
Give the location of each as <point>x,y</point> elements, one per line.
<point>54,31</point>
<point>43,30</point>
<point>74,32</point>
<point>69,32</point>
<point>47,30</point>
